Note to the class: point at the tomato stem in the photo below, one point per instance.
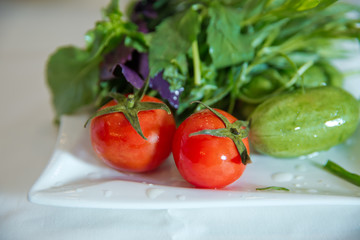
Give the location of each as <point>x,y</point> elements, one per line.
<point>236,131</point>
<point>130,106</point>
<point>130,101</point>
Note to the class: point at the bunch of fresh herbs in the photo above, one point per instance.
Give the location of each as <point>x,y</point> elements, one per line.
<point>225,53</point>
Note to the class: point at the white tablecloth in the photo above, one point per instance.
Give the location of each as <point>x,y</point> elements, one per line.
<point>29,31</point>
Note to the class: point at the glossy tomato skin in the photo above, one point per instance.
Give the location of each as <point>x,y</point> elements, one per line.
<point>203,160</point>
<point>117,143</point>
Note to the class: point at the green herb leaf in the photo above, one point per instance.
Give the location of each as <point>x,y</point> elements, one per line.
<point>72,79</point>
<point>176,73</point>
<point>273,188</point>
<point>303,5</point>
<point>227,45</point>
<point>342,173</point>
<point>113,7</point>
<point>73,73</point>
<point>173,37</point>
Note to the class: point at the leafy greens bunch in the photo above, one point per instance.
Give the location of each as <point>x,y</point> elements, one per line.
<point>222,52</point>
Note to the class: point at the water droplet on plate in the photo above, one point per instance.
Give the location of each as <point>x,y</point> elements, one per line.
<point>282,177</point>
<point>300,167</point>
<point>312,155</point>
<point>153,193</point>
<point>58,184</point>
<point>107,193</point>
<point>94,176</point>
<point>312,191</point>
<point>299,177</point>
<point>181,197</point>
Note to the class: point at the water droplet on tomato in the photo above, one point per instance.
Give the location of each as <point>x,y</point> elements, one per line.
<point>153,138</point>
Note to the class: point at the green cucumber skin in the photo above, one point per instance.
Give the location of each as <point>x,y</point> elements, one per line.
<point>300,123</point>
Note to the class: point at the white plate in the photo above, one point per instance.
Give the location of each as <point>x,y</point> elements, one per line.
<point>76,178</point>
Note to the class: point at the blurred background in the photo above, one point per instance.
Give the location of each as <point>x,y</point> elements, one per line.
<point>30,30</point>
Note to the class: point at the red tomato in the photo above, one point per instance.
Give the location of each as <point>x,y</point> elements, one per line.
<point>203,160</point>
<point>117,143</point>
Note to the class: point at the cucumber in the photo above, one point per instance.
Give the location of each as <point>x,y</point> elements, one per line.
<point>303,121</point>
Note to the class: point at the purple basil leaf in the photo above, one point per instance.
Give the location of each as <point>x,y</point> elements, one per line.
<point>158,83</point>
<point>135,68</point>
<point>132,77</point>
<point>163,87</point>
<point>142,12</point>
<point>144,65</point>
<point>120,55</point>
<point>105,73</point>
<point>150,13</point>
<point>142,27</point>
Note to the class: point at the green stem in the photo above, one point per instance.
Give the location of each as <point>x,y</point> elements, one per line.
<point>231,104</point>
<point>196,63</point>
<point>139,95</point>
<point>342,173</point>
